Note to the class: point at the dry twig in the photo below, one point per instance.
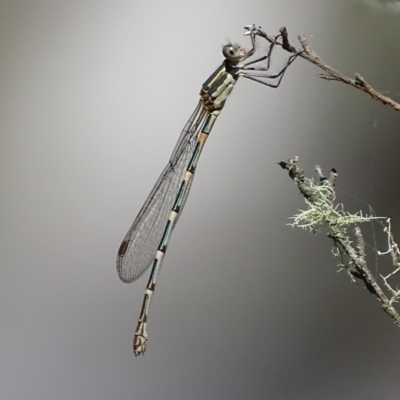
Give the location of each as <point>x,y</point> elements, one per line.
<point>331,74</point>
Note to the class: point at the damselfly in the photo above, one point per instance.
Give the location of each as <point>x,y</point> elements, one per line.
<point>146,242</point>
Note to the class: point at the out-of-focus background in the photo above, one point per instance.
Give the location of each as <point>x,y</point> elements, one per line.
<point>384,5</point>
<point>93,97</point>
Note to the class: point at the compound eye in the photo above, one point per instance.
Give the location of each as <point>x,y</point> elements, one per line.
<point>232,52</point>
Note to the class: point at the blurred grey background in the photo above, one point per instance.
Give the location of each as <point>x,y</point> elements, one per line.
<point>385,5</point>
<point>93,97</point>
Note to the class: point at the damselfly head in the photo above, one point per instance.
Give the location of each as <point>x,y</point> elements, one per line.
<point>233,52</point>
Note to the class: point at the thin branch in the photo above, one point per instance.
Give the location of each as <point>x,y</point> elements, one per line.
<point>322,212</point>
<point>331,74</point>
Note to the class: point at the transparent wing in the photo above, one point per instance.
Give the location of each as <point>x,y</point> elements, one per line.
<point>140,244</point>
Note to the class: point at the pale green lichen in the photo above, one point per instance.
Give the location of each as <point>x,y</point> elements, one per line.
<point>322,211</point>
